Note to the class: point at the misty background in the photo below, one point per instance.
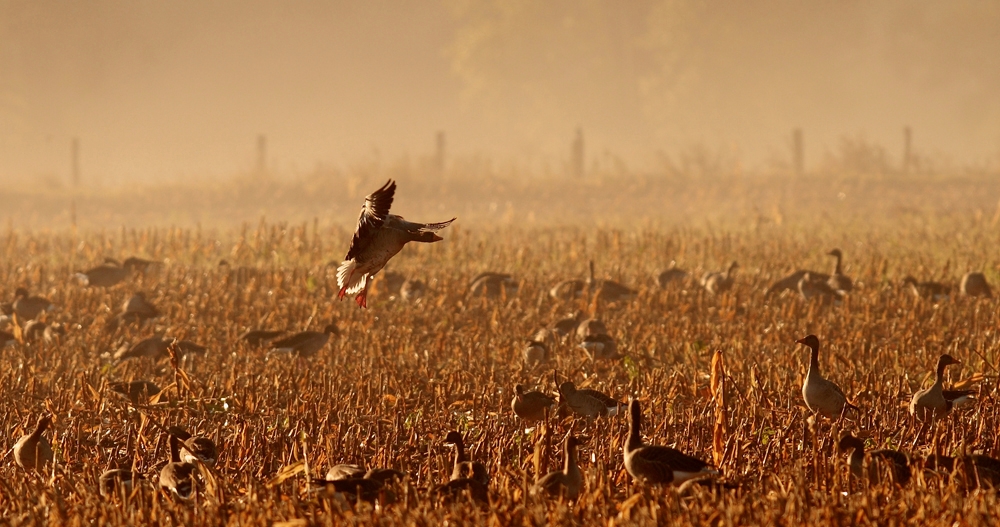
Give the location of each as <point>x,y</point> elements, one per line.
<point>181,89</point>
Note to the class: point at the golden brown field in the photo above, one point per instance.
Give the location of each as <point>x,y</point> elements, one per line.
<point>400,375</point>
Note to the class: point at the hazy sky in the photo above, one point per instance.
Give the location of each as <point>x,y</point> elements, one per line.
<point>157,90</point>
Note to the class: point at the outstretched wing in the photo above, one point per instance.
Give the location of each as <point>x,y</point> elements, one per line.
<point>397,222</point>
<point>373,214</point>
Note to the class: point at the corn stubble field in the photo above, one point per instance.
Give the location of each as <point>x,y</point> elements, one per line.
<point>386,390</point>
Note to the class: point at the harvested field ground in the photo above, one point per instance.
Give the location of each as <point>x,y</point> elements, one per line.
<point>400,375</point>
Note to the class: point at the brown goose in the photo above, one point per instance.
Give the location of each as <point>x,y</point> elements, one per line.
<point>356,488</point>
<point>156,348</point>
<point>378,238</point>
<point>117,481</point>
<point>177,476</point>
<point>821,395</point>
<point>566,482</point>
<point>935,402</point>
<point>588,403</point>
<point>463,468</point>
<point>306,343</point>
<point>492,285</point>
<point>390,282</point>
<point>138,392</point>
<point>108,274</point>
<point>345,471</point>
<point>535,352</point>
<point>972,471</point>
<point>33,451</point>
<point>927,290</point>
<point>531,406</point>
<point>720,282</point>
<point>600,347</point>
<point>28,307</point>
<point>671,275</point>
<point>567,326</point>
<point>658,464</point>
<point>791,282</point>
<point>591,326</point>
<point>473,487</point>
<point>810,288</point>
<point>974,284</point>
<point>412,290</point>
<point>838,280</point>
<point>257,338</point>
<point>880,463</point>
<point>137,309</point>
<point>195,447</point>
<point>606,290</point>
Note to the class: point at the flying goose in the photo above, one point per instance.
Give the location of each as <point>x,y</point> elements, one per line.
<point>306,343</point>
<point>821,395</point>
<point>378,238</point>
<point>719,282</point>
<point>880,463</point>
<point>587,402</point>
<point>195,447</point>
<point>671,275</point>
<point>566,482</point>
<point>28,307</point>
<point>928,290</point>
<point>464,468</point>
<point>177,476</point>
<point>33,451</point>
<point>600,347</point>
<point>658,464</point>
<point>531,406</point>
<point>974,284</point>
<point>935,402</point>
<point>491,285</point>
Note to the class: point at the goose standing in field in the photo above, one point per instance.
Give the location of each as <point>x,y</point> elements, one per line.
<point>587,402</point>
<point>974,284</point>
<point>876,464</point>
<point>821,290</point>
<point>305,343</point>
<point>929,290</point>
<point>531,406</point>
<point>658,464</point>
<point>463,468</point>
<point>535,352</point>
<point>28,307</point>
<point>492,285</point>
<point>973,471</point>
<point>600,347</point>
<point>719,282</point>
<point>390,282</point>
<point>791,282</point>
<point>137,309</point>
<point>566,482</point>
<point>591,326</point>
<point>117,480</point>
<point>33,451</point>
<point>379,236</point>
<point>412,290</point>
<point>565,327</point>
<point>108,274</point>
<point>138,392</point>
<point>455,489</point>
<point>156,348</point>
<point>606,290</point>
<point>821,395</point>
<point>671,275</point>
<point>257,338</point>
<point>177,476</point>
<point>345,471</point>
<point>935,402</point>
<point>195,447</point>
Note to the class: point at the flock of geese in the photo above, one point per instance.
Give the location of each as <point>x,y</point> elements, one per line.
<point>379,236</point>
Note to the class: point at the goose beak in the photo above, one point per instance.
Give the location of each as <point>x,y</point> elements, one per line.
<point>801,341</point>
